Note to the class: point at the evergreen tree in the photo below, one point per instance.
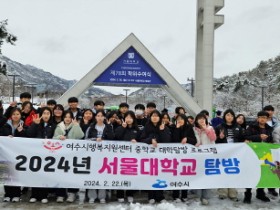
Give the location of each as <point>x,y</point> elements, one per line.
<point>9,38</point>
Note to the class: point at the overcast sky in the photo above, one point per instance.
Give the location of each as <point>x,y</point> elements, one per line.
<point>69,37</point>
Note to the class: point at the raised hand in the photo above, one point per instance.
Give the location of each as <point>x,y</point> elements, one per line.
<point>264,137</point>
<point>98,139</point>
<point>36,119</point>
<point>20,127</point>
<point>161,127</point>
<point>75,122</point>
<point>184,140</point>
<point>222,134</point>
<point>13,104</point>
<point>62,137</point>
<point>124,124</point>
<point>178,125</point>
<point>154,142</point>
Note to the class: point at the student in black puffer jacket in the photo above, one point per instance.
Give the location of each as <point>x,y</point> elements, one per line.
<point>229,132</point>
<point>182,133</point>
<point>42,128</point>
<point>258,131</point>
<point>13,128</point>
<point>155,132</point>
<point>128,131</point>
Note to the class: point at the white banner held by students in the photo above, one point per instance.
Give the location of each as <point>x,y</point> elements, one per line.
<point>124,165</point>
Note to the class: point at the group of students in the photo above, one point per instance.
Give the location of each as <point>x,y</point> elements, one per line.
<point>144,124</point>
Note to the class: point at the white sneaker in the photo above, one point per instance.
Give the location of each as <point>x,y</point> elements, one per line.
<point>7,199</point>
<point>204,201</point>
<point>44,201</point>
<point>91,201</point>
<point>102,201</point>
<point>15,199</point>
<point>163,201</point>
<point>71,197</point>
<point>60,199</point>
<point>32,200</point>
<point>130,199</point>
<point>177,200</point>
<point>121,200</point>
<point>152,201</point>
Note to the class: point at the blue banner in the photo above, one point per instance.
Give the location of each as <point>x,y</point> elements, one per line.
<point>130,68</point>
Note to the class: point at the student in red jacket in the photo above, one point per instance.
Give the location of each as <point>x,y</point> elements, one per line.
<point>28,113</point>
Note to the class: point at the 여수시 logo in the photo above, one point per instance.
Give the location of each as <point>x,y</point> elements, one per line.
<point>160,184</point>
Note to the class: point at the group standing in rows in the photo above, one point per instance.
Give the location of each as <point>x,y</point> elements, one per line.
<point>143,124</point>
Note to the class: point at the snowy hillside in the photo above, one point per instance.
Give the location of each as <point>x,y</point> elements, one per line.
<point>243,91</point>
<point>47,84</point>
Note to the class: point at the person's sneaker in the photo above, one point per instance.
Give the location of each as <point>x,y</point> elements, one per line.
<point>152,201</point>
<point>32,200</point>
<point>130,199</point>
<point>121,200</point>
<point>177,200</point>
<point>204,202</point>
<point>60,199</point>
<point>71,197</point>
<point>44,201</point>
<point>91,201</point>
<point>273,192</point>
<point>222,197</point>
<point>7,199</point>
<point>163,201</point>
<point>15,199</point>
<point>263,198</point>
<point>102,201</point>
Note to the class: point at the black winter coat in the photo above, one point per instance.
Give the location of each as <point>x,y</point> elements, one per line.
<point>79,114</point>
<point>182,132</point>
<point>238,133</point>
<point>40,131</point>
<point>108,133</point>
<point>253,133</point>
<point>127,133</point>
<point>152,132</point>
<point>3,120</point>
<point>6,130</point>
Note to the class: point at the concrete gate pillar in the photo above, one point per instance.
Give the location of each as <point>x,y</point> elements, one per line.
<point>207,22</point>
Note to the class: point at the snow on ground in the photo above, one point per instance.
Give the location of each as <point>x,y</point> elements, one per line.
<point>141,204</point>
